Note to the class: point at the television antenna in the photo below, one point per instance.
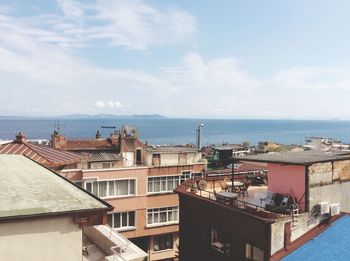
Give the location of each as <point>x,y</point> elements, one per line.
<point>58,126</point>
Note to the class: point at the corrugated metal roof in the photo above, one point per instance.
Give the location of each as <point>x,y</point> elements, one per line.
<point>331,244</point>
<point>26,188</point>
<point>41,154</point>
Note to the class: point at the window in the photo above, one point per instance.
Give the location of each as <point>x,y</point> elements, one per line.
<point>220,242</point>
<point>185,175</point>
<point>107,165</point>
<point>111,188</point>
<point>163,242</point>
<point>122,220</point>
<point>160,216</point>
<point>169,183</point>
<point>253,253</point>
<point>162,184</point>
<point>156,159</point>
<point>78,183</point>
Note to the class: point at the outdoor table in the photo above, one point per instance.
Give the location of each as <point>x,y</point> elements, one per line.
<point>227,197</point>
<point>235,183</point>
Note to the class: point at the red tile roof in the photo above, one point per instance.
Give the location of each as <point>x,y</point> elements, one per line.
<point>42,154</point>
<point>91,144</point>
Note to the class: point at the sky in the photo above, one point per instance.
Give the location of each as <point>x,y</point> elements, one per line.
<point>252,59</point>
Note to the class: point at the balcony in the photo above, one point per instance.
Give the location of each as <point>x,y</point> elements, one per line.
<point>255,201</point>
<point>103,243</point>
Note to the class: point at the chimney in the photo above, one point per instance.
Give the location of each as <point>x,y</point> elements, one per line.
<point>98,135</point>
<point>58,141</point>
<point>20,137</point>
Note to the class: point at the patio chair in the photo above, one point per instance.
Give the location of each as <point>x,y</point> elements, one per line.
<point>268,199</point>
<point>223,186</point>
<point>244,189</point>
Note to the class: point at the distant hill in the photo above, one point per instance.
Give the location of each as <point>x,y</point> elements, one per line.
<point>88,116</point>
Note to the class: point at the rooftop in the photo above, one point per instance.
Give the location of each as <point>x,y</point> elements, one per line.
<point>27,189</point>
<point>297,158</point>
<point>42,154</point>
<point>171,149</point>
<point>250,204</point>
<point>102,156</point>
<point>332,244</point>
<point>230,147</point>
<point>92,144</point>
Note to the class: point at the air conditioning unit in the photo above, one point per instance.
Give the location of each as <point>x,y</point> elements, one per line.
<point>334,209</point>
<point>324,207</point>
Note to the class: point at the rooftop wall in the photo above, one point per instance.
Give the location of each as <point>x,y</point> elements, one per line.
<point>284,178</point>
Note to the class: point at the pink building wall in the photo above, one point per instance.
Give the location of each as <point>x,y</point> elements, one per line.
<point>283,178</point>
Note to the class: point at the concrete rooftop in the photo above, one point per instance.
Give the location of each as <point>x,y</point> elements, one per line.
<point>27,188</point>
<point>297,158</point>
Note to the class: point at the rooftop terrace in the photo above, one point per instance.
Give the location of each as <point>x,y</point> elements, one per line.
<point>253,202</point>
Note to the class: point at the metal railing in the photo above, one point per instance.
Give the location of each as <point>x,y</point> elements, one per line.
<point>240,204</point>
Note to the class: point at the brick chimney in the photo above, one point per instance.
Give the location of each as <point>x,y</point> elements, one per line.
<point>20,137</point>
<point>58,141</point>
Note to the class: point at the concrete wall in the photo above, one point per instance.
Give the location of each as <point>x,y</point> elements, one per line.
<point>330,182</point>
<point>41,239</point>
<point>284,178</point>
<point>277,235</point>
<point>337,192</point>
<point>169,159</point>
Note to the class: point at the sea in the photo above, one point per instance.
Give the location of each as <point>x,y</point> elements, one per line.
<point>183,131</point>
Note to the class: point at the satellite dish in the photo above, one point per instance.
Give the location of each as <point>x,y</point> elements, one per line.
<point>202,184</point>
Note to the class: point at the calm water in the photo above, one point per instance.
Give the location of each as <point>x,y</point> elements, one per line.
<point>180,131</point>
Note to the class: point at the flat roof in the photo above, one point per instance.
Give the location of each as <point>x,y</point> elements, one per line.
<point>27,189</point>
<point>297,158</point>
<point>172,149</point>
<point>331,244</point>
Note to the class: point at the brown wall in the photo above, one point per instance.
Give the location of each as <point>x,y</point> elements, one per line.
<point>198,216</point>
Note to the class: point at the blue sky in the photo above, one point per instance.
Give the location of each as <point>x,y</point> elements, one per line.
<point>207,59</point>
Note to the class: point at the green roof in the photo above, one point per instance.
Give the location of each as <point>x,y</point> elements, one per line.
<point>27,188</point>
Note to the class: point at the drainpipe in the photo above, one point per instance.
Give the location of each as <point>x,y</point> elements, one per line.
<point>307,188</point>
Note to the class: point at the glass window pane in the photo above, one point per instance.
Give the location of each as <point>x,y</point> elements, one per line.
<point>122,187</point>
<point>150,185</point>
<point>132,186</point>
<point>156,184</point>
<point>170,184</point>
<point>111,188</point>
<point>155,218</point>
<point>117,220</point>
<point>149,219</point>
<point>248,251</point>
<point>258,254</point>
<point>131,219</point>
<point>102,188</point>
<point>95,188</point>
<point>124,219</point>
<point>110,219</point>
<point>163,217</point>
<point>163,184</point>
<point>89,187</point>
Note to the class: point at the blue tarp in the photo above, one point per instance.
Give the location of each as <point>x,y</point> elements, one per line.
<point>331,244</point>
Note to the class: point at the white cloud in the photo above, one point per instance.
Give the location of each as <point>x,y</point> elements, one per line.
<point>40,73</point>
<point>132,24</point>
<point>108,104</point>
<point>313,78</point>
